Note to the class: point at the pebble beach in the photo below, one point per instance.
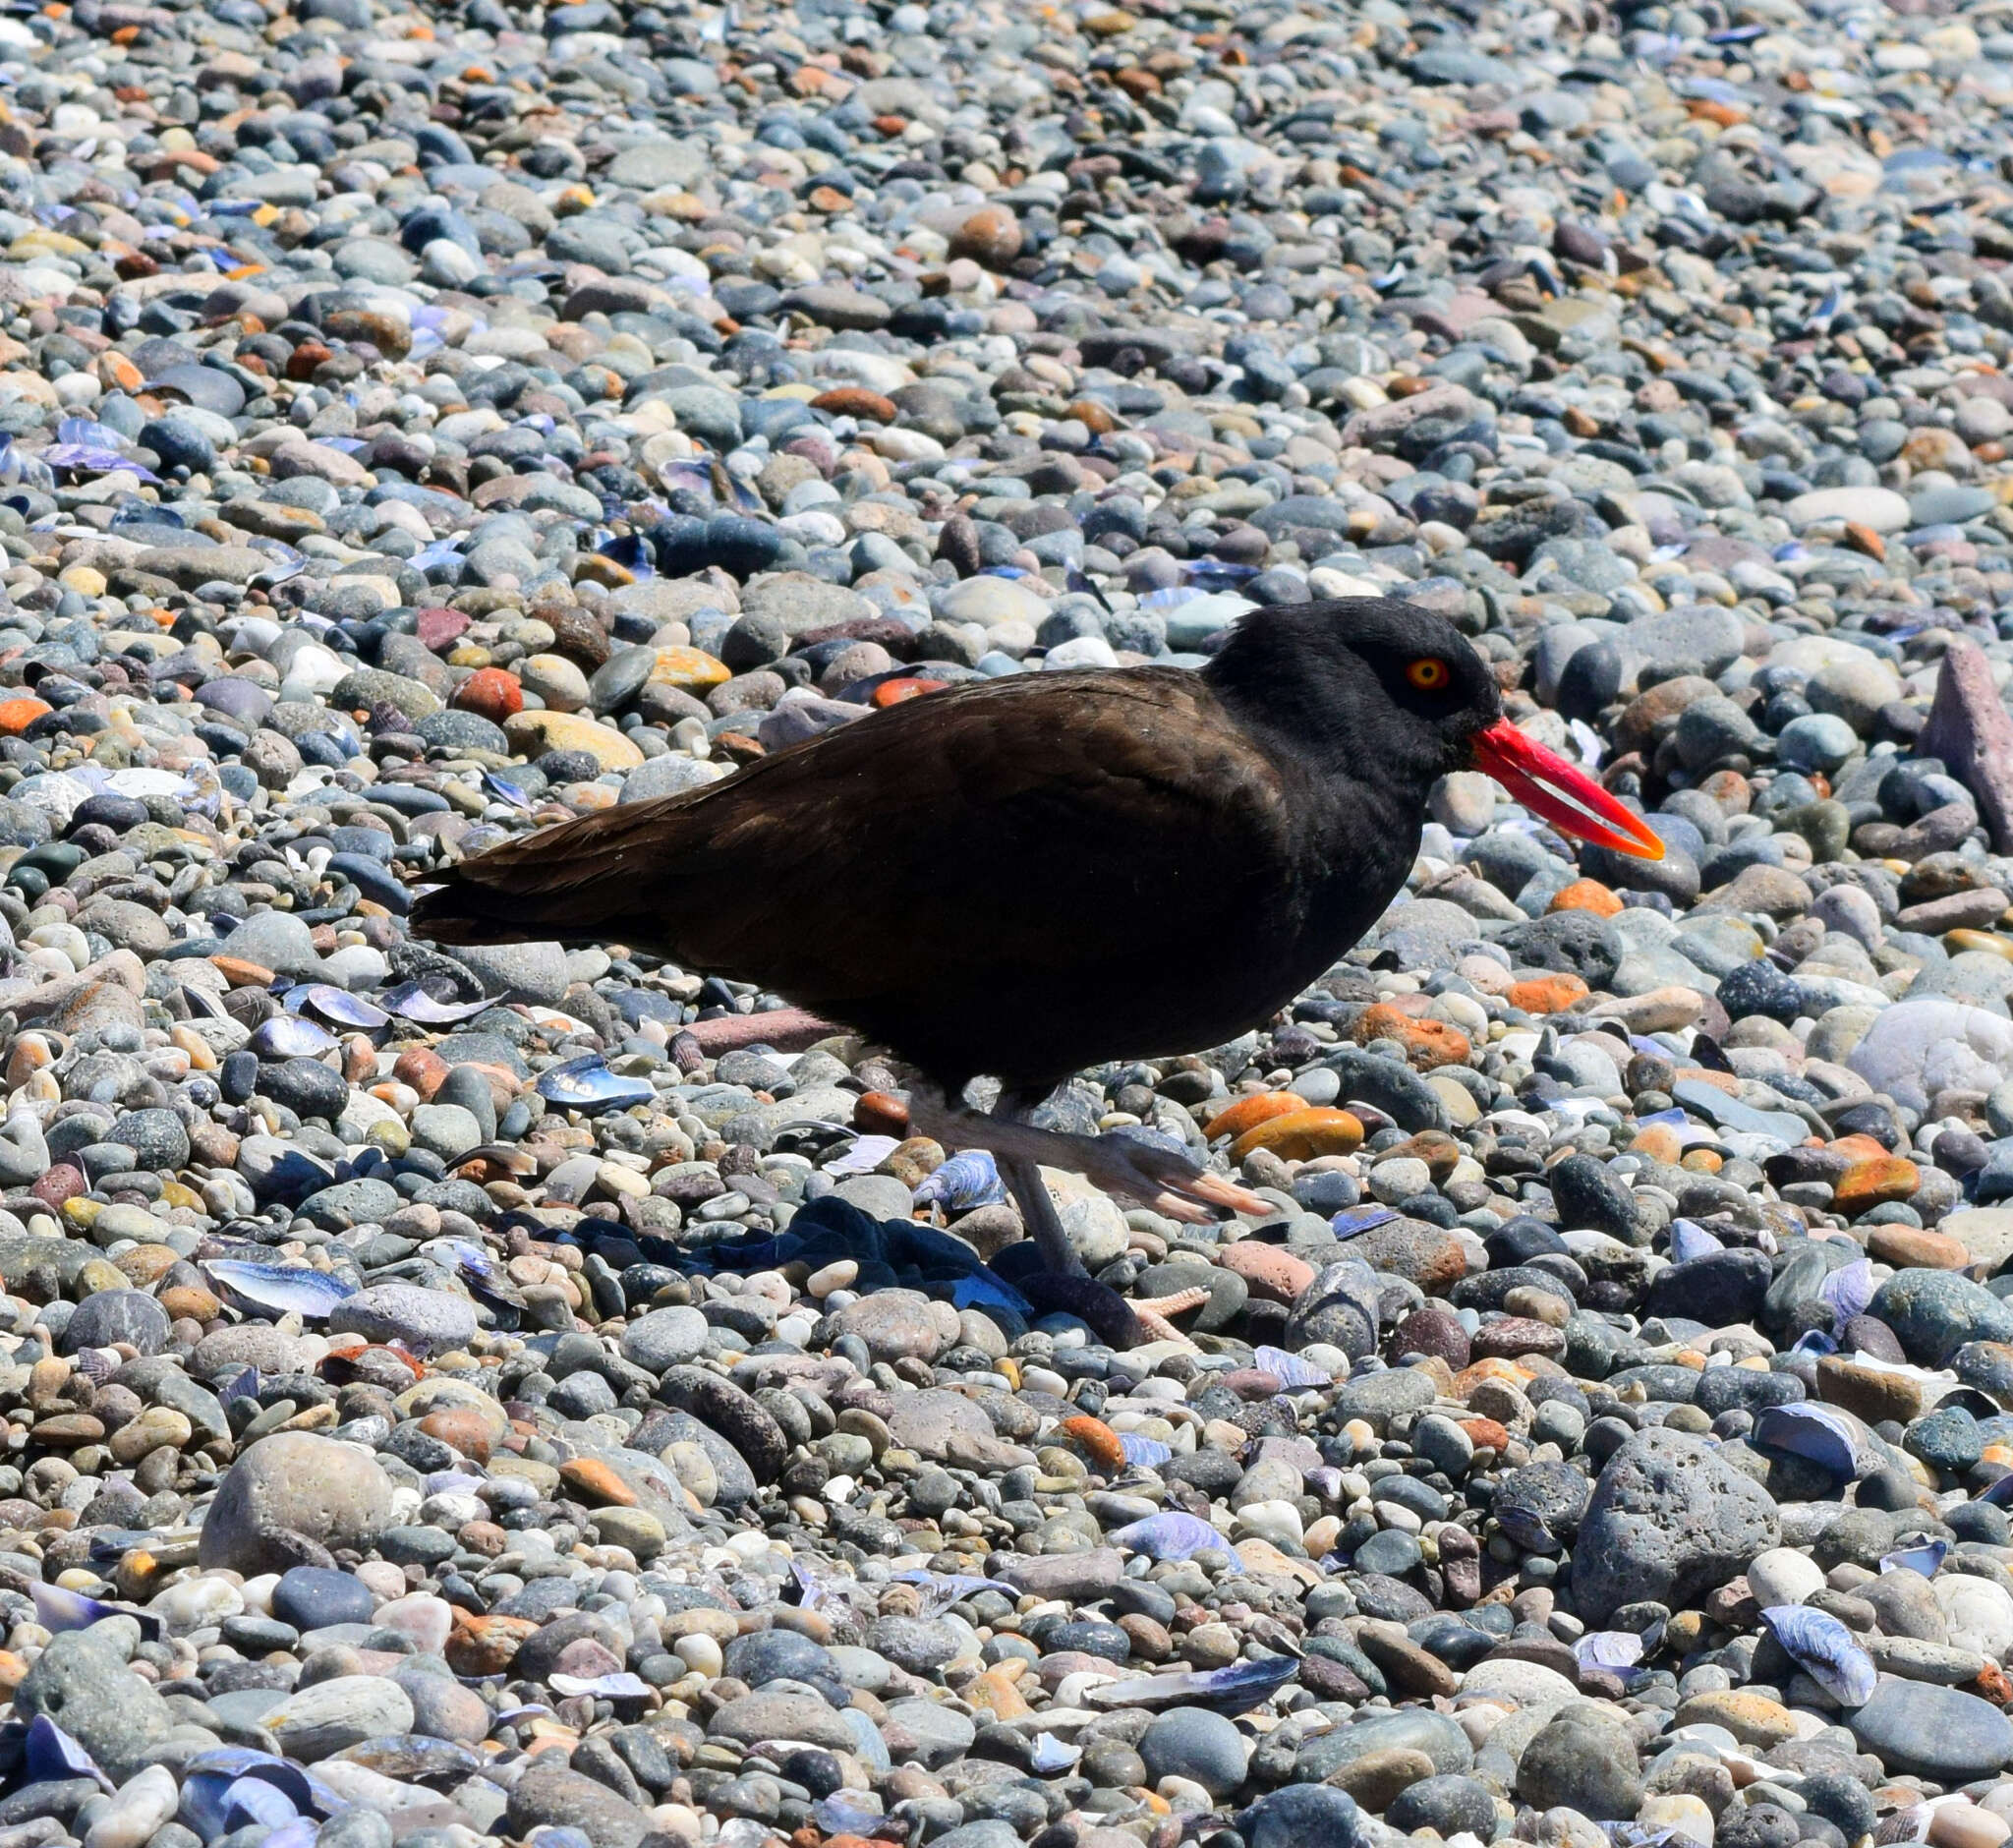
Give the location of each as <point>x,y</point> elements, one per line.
<point>541,1396</point>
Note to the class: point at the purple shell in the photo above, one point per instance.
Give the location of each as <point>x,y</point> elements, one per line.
<point>1847,1290</point>
<point>949,1587</point>
<point>505,791</point>
<point>968,1179</point>
<point>1354,1219</point>
<point>253,1800</point>
<point>843,1813</point>
<point>1170,1535</point>
<point>1817,1433</point>
<point>52,1756</point>
<point>410,1002</point>
<point>85,458</point>
<point>87,430</point>
<point>1689,1239</point>
<point>1047,1755</point>
<point>2000,1493</point>
<point>586,1083</point>
<point>291,1036</point>
<point>239,1386</point>
<point>1824,1649</point>
<point>279,1289</point>
<point>451,1482</point>
<point>1242,1683</point>
<point>1144,1453</point>
<point>339,1005</point>
<point>1923,1559</point>
<point>58,1609</point>
<point>1609,1648</point>
<point>1291,1369</point>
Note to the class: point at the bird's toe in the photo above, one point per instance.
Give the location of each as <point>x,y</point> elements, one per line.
<point>1166,1183</point>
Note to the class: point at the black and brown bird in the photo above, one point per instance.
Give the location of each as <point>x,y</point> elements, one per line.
<point>1024,876</point>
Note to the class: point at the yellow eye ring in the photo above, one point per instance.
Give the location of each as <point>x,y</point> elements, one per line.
<point>1430,674</point>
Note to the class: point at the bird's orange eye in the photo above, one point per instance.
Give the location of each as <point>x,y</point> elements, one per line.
<point>1430,674</point>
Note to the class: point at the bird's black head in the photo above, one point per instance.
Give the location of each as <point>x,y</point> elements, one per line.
<point>1389,697</point>
<point>1360,681</point>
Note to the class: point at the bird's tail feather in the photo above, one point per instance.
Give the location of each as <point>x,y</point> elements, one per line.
<point>579,881</point>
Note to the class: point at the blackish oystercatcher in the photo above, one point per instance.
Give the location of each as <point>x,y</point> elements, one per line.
<point>1025,876</point>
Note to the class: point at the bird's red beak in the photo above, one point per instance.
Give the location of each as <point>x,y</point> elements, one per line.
<point>1568,798</point>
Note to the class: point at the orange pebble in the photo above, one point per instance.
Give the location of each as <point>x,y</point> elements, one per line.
<point>1248,1112</point>
<point>1098,1440</point>
<point>593,1482</point>
<point>1302,1135</point>
<point>1585,894</point>
<point>1546,994</point>
<point>1428,1044</point>
<point>1658,1141</point>
<point>1875,1181</point>
<point>857,401</point>
<point>907,687</point>
<point>17,715</point>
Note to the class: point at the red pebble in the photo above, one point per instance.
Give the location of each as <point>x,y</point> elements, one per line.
<point>59,1183</point>
<point>492,693</point>
<point>438,627</point>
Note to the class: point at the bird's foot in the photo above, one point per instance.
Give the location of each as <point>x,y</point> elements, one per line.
<point>1162,1180</point>
<point>1171,1185</point>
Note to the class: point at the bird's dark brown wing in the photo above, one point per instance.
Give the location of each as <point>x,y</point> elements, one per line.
<point>1038,835</point>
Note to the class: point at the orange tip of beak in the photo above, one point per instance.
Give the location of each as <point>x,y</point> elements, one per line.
<point>1570,800</point>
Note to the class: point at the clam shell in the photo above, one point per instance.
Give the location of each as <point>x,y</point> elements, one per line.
<point>1923,1559</point>
<point>1291,1369</point>
<point>1689,1239</point>
<point>618,1686</point>
<point>866,1153</point>
<point>50,1756</point>
<point>339,1005</point>
<point>1170,1535</point>
<point>1609,1648</point>
<point>290,1036</point>
<point>1241,1684</point>
<point>1847,1290</point>
<point>587,1084</point>
<point>966,1181</point>
<point>279,1289</point>
<point>1824,1649</point>
<point>58,1609</point>
<point>1351,1220</point>
<point>1818,1433</point>
<point>410,1002</point>
<point>1144,1453</point>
